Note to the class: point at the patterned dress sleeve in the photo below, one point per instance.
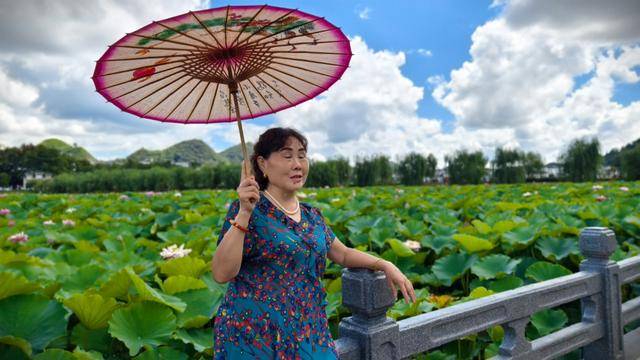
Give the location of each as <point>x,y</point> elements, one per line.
<point>234,208</point>
<point>330,236</point>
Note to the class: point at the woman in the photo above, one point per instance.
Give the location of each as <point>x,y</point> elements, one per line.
<point>273,250</point>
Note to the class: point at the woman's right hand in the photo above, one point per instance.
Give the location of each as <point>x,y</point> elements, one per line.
<point>248,191</point>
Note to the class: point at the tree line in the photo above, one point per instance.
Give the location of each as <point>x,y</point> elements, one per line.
<point>581,161</point>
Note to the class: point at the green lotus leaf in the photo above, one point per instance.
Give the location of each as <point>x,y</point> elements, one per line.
<point>187,265</point>
<point>477,293</point>
<point>542,271</point>
<point>200,338</point>
<point>360,224</point>
<point>438,243</point>
<point>482,227</point>
<point>201,306</point>
<point>632,219</point>
<point>145,323</point>
<point>519,238</point>
<point>146,292</point>
<point>443,229</point>
<point>55,354</point>
<point>80,354</point>
<point>449,268</point>
<point>13,284</point>
<point>93,310</point>
<point>34,318</point>
<point>98,340</point>
<point>163,220</point>
<point>548,320</point>
<point>17,342</point>
<point>412,229</point>
<point>83,278</point>
<point>505,283</point>
<point>77,257</point>
<point>555,248</point>
<point>162,353</point>
<point>504,226</point>
<point>399,248</point>
<point>180,283</point>
<point>494,266</point>
<point>473,243</point>
<point>496,333</point>
<point>509,206</point>
<point>117,286</point>
<point>440,355</point>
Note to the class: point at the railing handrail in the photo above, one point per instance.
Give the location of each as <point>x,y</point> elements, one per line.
<point>596,285</point>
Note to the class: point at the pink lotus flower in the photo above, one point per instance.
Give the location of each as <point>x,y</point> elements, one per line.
<point>19,238</point>
<point>5,211</point>
<point>527,194</point>
<point>150,193</point>
<point>2,195</point>
<point>11,223</point>
<point>69,223</point>
<point>596,187</point>
<point>624,188</point>
<point>601,198</point>
<point>48,223</point>
<point>123,197</point>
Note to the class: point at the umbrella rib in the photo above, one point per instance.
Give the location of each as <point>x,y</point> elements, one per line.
<point>182,100</point>
<point>305,69</point>
<point>154,48</point>
<point>184,34</point>
<point>143,86</point>
<point>137,68</point>
<point>206,28</point>
<point>169,41</point>
<point>265,26</point>
<point>154,57</point>
<point>274,89</point>
<point>152,93</point>
<point>226,17</point>
<point>289,85</point>
<point>266,47</point>
<point>306,60</point>
<point>309,52</point>
<point>198,102</point>
<point>213,101</point>
<point>296,77</point>
<point>171,93</point>
<point>259,93</point>
<point>283,30</point>
<point>247,23</point>
<point>245,100</point>
<point>131,80</point>
<point>257,42</point>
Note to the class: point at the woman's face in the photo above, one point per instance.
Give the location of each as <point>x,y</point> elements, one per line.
<point>288,167</point>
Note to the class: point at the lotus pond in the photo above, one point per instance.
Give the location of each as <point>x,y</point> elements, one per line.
<point>127,275</point>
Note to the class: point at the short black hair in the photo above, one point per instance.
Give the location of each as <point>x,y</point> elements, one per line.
<point>271,141</point>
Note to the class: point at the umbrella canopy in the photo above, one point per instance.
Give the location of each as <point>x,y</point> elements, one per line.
<point>223,64</point>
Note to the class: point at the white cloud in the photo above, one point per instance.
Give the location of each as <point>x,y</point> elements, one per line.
<point>522,76</point>
<point>14,92</point>
<point>364,13</point>
<point>372,109</point>
<point>425,52</point>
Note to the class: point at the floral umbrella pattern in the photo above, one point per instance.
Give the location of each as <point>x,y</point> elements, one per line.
<point>186,68</point>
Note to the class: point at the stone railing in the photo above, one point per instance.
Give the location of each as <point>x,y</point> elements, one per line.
<point>370,334</point>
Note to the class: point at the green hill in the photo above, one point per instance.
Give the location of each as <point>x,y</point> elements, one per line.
<point>234,153</point>
<point>77,152</point>
<point>190,151</point>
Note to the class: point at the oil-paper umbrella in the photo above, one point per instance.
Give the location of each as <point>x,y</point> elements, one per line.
<point>222,65</point>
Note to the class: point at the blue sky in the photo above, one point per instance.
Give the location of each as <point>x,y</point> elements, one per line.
<point>426,76</point>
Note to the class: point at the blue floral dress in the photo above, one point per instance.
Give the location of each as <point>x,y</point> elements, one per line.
<point>275,307</point>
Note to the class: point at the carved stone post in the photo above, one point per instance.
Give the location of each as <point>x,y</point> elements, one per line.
<point>597,244</point>
<point>366,293</point>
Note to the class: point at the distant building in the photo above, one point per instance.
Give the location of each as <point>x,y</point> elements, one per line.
<point>34,175</point>
<point>551,171</point>
<point>608,172</point>
<point>180,163</point>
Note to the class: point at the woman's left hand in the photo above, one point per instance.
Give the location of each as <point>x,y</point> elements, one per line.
<point>395,277</point>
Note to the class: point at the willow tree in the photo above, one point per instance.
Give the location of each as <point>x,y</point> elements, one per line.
<point>582,159</point>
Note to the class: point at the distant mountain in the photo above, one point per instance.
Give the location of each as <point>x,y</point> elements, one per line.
<point>74,151</point>
<point>190,151</point>
<point>234,153</point>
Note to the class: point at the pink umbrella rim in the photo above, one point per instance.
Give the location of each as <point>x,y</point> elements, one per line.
<point>344,60</point>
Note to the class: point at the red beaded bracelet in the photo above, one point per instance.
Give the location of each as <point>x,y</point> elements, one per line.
<point>241,228</point>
